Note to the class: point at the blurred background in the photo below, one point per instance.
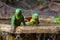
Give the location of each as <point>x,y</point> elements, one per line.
<point>45,8</point>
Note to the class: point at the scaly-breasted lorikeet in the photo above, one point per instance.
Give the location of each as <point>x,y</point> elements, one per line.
<point>34,20</point>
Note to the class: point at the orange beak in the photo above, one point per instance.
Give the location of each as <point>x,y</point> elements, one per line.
<point>18,14</point>
<point>36,17</point>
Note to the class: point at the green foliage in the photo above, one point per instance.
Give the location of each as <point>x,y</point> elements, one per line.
<point>57,20</point>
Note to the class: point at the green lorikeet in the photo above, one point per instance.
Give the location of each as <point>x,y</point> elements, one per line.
<point>17,18</point>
